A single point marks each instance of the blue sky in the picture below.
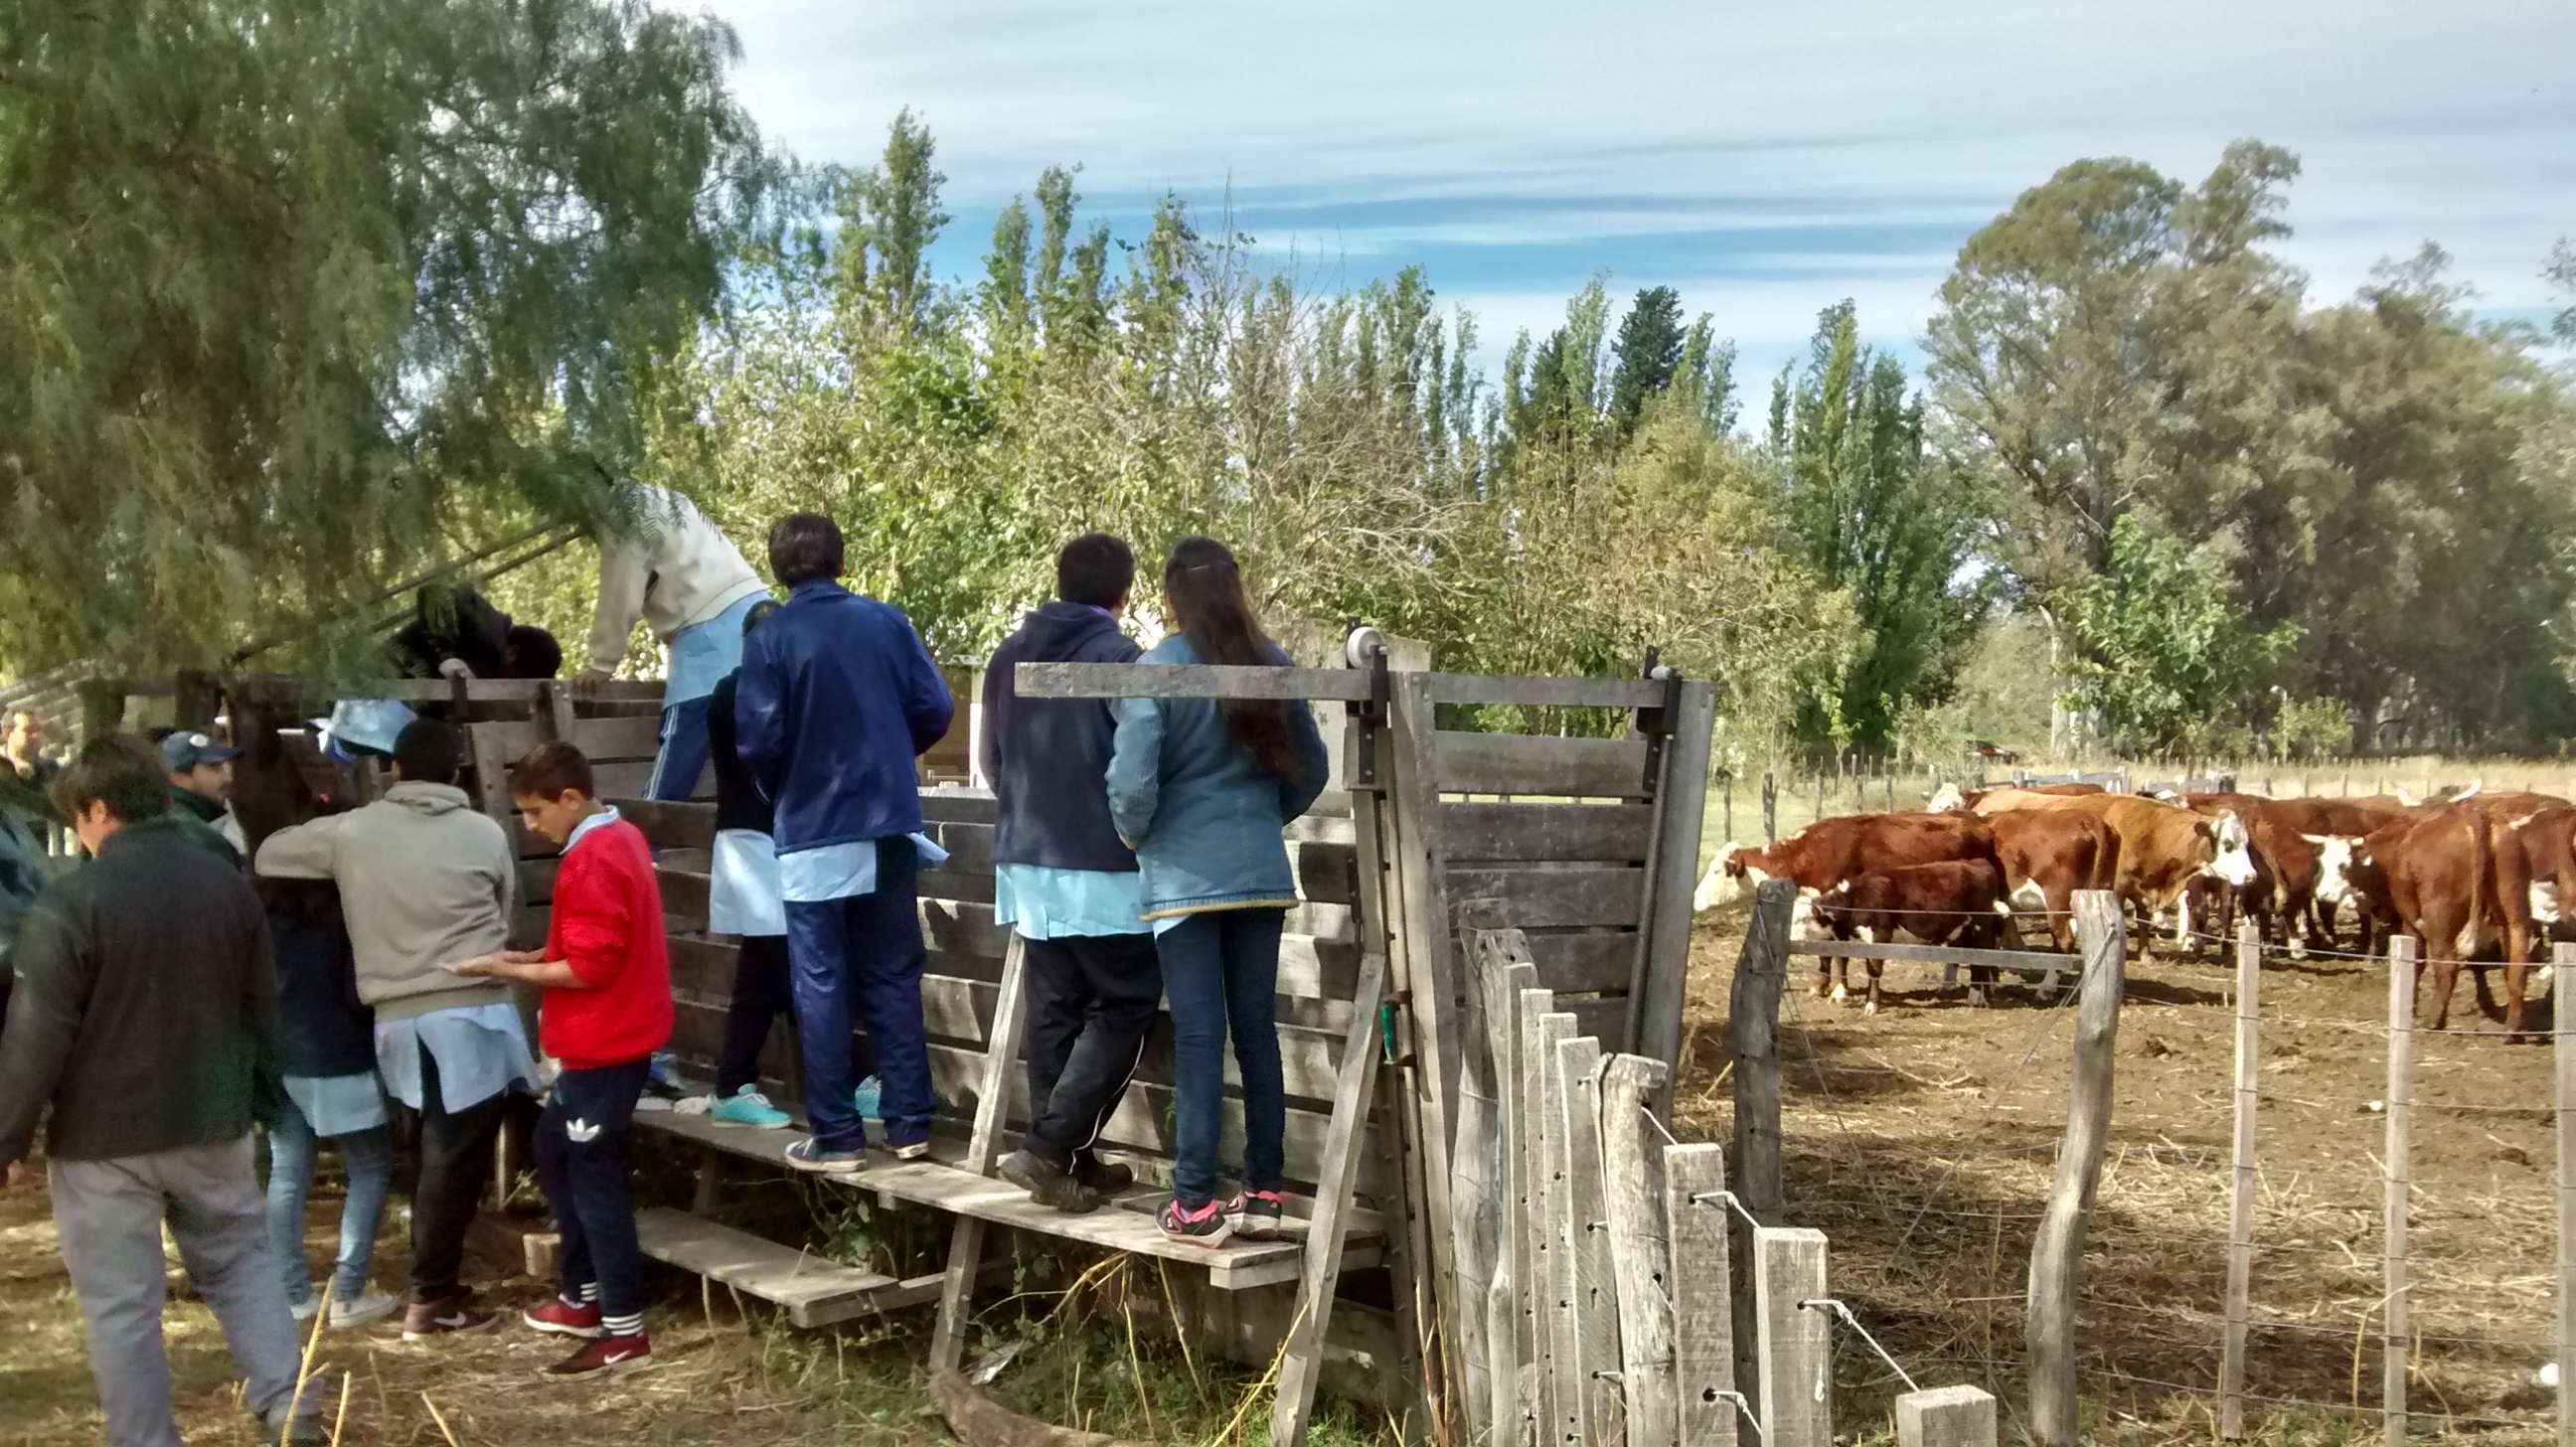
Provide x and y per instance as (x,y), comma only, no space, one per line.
(1764,159)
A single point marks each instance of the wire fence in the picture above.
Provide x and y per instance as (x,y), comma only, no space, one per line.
(1922,1141)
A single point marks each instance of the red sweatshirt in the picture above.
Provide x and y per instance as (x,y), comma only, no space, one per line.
(608,926)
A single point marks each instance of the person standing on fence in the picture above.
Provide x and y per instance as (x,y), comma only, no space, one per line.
(665,562)
(145,1023)
(201,790)
(743,901)
(1201,790)
(1066,883)
(837,699)
(327,1048)
(425,879)
(606,973)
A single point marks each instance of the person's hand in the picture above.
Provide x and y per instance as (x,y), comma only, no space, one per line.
(524,957)
(479,965)
(589,679)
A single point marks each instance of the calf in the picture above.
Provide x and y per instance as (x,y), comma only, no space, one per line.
(1936,903)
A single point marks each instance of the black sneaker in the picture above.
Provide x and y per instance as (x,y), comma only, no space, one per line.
(1108,1178)
(1048,1184)
(1200,1226)
(1255,1215)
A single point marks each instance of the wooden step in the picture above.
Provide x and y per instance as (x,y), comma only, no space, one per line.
(1126,1224)
(814,1291)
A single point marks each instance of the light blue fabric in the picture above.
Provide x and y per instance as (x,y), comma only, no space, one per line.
(338,1104)
(842,871)
(607,815)
(1202,814)
(703,653)
(743,893)
(1047,903)
(369,723)
(481,1051)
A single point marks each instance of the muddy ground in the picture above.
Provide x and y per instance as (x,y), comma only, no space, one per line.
(1922,1140)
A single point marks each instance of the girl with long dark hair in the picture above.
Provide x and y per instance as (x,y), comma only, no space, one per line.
(1201,790)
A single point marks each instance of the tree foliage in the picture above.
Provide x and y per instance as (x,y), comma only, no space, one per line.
(2165,650)
(294,293)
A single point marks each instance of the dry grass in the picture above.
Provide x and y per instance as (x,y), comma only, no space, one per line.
(1922,1141)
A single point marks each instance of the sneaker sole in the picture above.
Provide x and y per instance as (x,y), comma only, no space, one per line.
(1210,1242)
(343,1323)
(613,1369)
(851,1167)
(782,1123)
(578,1333)
(1246,1232)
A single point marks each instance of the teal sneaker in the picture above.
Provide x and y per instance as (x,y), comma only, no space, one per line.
(866,1098)
(748,1106)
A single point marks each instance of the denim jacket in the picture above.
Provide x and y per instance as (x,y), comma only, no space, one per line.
(1201,813)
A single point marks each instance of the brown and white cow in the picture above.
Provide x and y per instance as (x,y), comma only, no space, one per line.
(2049,854)
(1960,899)
(2434,877)
(1830,851)
(2303,865)
(2162,846)
(1950,798)
(2535,885)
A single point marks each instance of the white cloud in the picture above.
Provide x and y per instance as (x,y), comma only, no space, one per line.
(1766,159)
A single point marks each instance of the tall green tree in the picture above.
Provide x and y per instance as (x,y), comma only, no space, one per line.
(1648,353)
(296,295)
(1864,511)
(2165,650)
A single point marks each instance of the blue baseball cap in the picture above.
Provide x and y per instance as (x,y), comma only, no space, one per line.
(185,750)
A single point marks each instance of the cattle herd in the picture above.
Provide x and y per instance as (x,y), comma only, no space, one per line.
(2475,878)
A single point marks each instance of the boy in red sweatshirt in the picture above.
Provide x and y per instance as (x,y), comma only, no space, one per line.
(607,977)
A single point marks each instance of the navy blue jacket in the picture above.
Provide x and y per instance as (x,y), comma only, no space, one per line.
(836,699)
(323,1029)
(1048,758)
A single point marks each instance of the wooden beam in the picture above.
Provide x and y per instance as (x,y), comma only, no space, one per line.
(1655,996)
(1564,1383)
(1545,896)
(966,1237)
(1632,1181)
(1596,1311)
(2057,1255)
(1753,1038)
(2240,1193)
(2396,1334)
(1194,680)
(1301,1361)
(1543,765)
(2564,1026)
(1697,1216)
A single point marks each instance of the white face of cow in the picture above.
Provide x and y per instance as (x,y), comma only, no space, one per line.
(2334,867)
(1725,881)
(1804,922)
(1946,800)
(2234,860)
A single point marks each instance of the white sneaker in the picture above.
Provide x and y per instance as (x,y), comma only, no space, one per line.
(304,1309)
(360,1310)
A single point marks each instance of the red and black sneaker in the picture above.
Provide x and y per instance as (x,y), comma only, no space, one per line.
(607,1356)
(565,1318)
(1203,1225)
(1255,1215)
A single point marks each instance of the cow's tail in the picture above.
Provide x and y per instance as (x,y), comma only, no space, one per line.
(2484,906)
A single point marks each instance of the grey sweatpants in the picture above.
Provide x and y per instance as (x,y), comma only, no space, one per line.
(108,1216)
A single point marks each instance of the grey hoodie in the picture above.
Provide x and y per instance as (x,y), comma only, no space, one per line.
(424,882)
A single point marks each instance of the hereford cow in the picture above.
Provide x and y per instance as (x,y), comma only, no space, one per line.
(1830,851)
(2535,882)
(1961,899)
(2434,877)
(1951,799)
(2301,866)
(2162,846)
(2047,855)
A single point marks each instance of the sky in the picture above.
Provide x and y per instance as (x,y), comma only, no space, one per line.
(1765,160)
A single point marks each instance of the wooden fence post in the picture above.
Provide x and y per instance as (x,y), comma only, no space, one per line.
(1946,1417)
(1820,796)
(2240,1200)
(1561,1387)
(2057,1255)
(1796,1343)
(1506,971)
(1632,1184)
(2395,1329)
(2563,975)
(1726,785)
(1753,1040)
(1696,1215)
(1587,1239)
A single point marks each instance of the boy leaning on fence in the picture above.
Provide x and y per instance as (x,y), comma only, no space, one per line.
(606,973)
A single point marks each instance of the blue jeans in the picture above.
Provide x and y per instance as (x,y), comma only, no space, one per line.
(369,1155)
(701,655)
(1221,972)
(585,1182)
(858,961)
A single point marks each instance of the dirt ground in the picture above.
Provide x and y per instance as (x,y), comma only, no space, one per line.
(1922,1141)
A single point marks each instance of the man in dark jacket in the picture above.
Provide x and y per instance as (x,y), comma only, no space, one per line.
(145,1018)
(1065,883)
(201,791)
(836,700)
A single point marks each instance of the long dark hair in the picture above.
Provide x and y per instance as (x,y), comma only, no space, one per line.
(1205,588)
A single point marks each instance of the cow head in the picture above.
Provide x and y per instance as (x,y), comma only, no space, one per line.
(2232,850)
(1724,882)
(1807,917)
(2336,855)
(1946,800)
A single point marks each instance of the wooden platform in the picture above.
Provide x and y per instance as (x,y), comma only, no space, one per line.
(815,1292)
(1126,1224)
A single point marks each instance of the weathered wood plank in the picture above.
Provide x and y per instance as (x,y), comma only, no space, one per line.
(969,846)
(2240,1185)
(1596,1312)
(670,824)
(1503,970)
(966,1238)
(1946,1417)
(815,1291)
(947,805)
(500,690)
(1301,1360)
(963,886)
(1696,1214)
(1796,1345)
(962,927)
(1663,955)
(1753,1038)
(1640,1247)
(1582,961)
(1541,896)
(1547,833)
(2396,1335)
(1542,765)
(684,894)
(1545,692)
(621,777)
(1196,680)
(2563,1048)
(2057,1255)
(1542,1027)
(601,740)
